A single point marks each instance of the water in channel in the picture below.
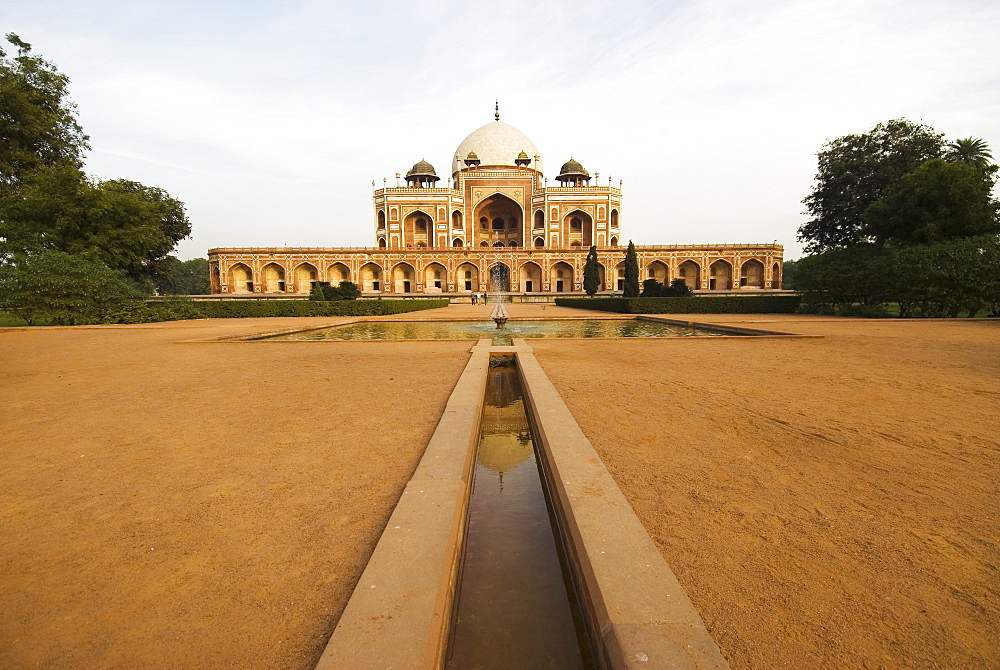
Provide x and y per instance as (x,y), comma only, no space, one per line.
(515,605)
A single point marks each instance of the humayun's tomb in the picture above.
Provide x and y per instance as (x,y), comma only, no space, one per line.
(496,226)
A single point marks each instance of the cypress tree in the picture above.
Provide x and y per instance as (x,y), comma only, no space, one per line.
(631,272)
(591,273)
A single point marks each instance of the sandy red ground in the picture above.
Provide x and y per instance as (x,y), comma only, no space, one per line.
(827,503)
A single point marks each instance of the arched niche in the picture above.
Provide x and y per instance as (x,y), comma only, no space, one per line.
(690,272)
(503,218)
(561,277)
(403,278)
(371,277)
(435,278)
(530,276)
(467,277)
(273,276)
(752,274)
(305,275)
(720,276)
(418,229)
(578,229)
(240,278)
(337,273)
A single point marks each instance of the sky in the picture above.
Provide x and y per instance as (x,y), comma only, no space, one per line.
(270,120)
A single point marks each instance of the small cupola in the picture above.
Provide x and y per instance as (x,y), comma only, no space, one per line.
(421,175)
(573,174)
(472,160)
(522,160)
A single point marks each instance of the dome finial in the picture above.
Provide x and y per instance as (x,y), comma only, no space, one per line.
(497,114)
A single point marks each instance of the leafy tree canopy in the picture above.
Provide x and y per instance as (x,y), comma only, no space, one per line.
(38,126)
(179,277)
(62,288)
(936,202)
(855,171)
(129,226)
(47,202)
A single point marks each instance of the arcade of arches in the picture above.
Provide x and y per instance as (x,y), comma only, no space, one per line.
(528,270)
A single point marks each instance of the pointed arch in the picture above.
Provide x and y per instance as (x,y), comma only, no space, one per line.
(371,277)
(530,277)
(273,278)
(338,272)
(217,280)
(614,242)
(435,278)
(690,272)
(720,276)
(418,228)
(578,229)
(620,277)
(457,242)
(752,274)
(539,241)
(658,270)
(539,220)
(561,277)
(776,276)
(403,277)
(240,278)
(499,278)
(305,274)
(503,217)
(467,277)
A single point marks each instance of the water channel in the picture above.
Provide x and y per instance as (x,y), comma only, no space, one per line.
(516,606)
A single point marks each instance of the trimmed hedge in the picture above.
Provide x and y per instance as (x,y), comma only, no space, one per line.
(171,309)
(240,309)
(712,304)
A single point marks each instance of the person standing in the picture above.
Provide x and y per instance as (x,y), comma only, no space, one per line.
(474,296)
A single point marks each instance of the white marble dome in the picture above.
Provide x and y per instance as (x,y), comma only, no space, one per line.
(496,143)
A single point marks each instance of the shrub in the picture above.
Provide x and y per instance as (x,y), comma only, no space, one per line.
(64,289)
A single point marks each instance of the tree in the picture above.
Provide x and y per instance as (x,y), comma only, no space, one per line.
(184,277)
(38,126)
(938,201)
(62,288)
(974,152)
(631,272)
(591,273)
(856,170)
(130,226)
(47,202)
(788,274)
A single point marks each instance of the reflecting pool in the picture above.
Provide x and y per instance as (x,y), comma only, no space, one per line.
(474,330)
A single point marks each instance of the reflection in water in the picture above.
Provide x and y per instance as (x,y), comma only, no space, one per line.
(513,608)
(472,330)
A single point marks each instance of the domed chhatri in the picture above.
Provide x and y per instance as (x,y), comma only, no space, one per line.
(522,160)
(421,174)
(573,174)
(472,159)
(497,144)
